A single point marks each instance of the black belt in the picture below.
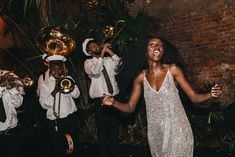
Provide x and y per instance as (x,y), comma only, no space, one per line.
(8,131)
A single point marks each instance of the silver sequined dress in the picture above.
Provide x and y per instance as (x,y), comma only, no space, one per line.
(169,131)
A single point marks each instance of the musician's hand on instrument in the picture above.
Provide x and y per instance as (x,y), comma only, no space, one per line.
(7,80)
(9,75)
(108,100)
(108,49)
(56,90)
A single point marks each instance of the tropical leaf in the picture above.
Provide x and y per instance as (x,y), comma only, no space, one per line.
(26,18)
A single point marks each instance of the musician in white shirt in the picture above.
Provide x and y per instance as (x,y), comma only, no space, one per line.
(106,118)
(61,109)
(11,95)
(43,77)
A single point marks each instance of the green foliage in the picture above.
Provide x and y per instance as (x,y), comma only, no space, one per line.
(25,19)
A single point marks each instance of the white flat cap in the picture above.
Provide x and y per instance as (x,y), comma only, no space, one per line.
(84,44)
(56,58)
(45,57)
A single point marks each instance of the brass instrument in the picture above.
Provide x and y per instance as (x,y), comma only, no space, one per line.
(65,84)
(110,33)
(57,41)
(27,81)
(12,81)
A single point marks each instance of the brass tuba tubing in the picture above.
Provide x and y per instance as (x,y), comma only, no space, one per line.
(55,40)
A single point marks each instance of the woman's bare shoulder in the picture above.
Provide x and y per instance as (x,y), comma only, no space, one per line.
(141,76)
(175,70)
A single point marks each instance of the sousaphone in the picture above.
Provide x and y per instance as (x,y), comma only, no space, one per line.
(56,40)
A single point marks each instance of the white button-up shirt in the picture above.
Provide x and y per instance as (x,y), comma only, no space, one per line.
(94,67)
(42,78)
(11,99)
(67,104)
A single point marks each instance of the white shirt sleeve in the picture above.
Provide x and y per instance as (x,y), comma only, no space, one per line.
(116,59)
(94,67)
(16,97)
(2,89)
(75,93)
(45,88)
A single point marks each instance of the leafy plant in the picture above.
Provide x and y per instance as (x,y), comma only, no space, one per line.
(25,19)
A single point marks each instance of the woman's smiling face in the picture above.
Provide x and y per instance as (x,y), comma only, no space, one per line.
(155,50)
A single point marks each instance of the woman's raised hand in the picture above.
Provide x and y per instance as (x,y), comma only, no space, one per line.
(216,91)
(108,100)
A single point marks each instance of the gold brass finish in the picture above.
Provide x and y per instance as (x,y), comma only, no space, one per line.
(66,84)
(55,41)
(27,81)
(108,31)
(12,81)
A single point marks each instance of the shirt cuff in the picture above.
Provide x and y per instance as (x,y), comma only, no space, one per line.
(115,57)
(2,89)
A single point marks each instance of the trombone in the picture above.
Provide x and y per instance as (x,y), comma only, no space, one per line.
(111,32)
(65,84)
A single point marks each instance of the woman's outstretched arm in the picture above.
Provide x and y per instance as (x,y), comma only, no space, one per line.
(135,95)
(194,96)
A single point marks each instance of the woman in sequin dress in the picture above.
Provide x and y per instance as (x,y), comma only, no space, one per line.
(169,131)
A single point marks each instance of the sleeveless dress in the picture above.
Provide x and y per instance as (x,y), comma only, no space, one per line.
(169,131)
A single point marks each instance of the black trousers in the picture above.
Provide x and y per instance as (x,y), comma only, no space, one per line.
(108,129)
(10,143)
(56,142)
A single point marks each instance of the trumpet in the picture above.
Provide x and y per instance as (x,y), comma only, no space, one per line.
(27,81)
(10,81)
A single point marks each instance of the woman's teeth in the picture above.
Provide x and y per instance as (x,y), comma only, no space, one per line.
(156,53)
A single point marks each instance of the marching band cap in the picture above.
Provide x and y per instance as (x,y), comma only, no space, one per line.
(84,46)
(53,58)
(45,56)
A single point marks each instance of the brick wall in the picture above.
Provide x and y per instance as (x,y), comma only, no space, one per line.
(204,33)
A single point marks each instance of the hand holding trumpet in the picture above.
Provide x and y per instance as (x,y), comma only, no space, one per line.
(10,80)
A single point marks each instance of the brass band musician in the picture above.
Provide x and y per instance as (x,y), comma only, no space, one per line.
(11,94)
(61,109)
(101,70)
